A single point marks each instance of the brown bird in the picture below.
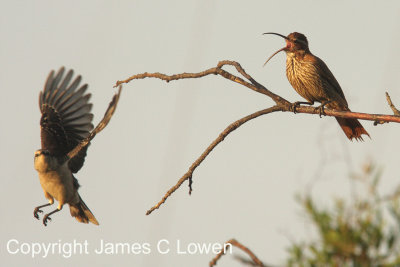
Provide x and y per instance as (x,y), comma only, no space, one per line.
(312,79)
(66,125)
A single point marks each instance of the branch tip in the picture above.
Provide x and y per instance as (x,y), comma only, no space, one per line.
(396,112)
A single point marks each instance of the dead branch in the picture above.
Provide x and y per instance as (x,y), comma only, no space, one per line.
(395,110)
(255,86)
(220,138)
(281,104)
(255,261)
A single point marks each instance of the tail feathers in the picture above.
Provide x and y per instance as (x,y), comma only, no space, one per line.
(352,128)
(82,213)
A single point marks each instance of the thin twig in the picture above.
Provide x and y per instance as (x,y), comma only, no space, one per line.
(395,110)
(188,175)
(254,85)
(237,244)
(276,98)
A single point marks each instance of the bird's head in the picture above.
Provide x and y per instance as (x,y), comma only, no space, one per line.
(42,152)
(44,161)
(295,43)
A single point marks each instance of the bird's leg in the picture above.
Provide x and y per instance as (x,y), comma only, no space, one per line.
(321,108)
(298,103)
(38,210)
(47,218)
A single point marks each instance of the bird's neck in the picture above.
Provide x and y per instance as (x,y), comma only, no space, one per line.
(298,55)
(46,163)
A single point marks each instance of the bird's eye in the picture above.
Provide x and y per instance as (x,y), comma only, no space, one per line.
(302,42)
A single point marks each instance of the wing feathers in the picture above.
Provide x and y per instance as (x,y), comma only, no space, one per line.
(75,104)
(82,146)
(58,90)
(66,123)
(66,118)
(81,117)
(69,98)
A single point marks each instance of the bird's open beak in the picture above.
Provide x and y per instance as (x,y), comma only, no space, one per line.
(282,49)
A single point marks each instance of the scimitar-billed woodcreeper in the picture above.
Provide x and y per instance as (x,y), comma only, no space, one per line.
(312,79)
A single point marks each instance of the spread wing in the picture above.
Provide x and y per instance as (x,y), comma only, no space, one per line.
(82,146)
(66,119)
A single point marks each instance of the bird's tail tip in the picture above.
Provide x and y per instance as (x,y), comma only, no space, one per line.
(352,128)
(82,213)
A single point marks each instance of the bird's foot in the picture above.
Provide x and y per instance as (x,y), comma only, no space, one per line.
(293,106)
(297,104)
(45,219)
(36,211)
(321,108)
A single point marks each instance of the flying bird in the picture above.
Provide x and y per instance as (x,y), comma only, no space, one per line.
(66,131)
(312,79)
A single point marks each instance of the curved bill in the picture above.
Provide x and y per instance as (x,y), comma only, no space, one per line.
(282,49)
(283,36)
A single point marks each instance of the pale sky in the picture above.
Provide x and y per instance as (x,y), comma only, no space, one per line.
(246,188)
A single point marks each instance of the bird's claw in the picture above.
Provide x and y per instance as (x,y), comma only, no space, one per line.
(45,219)
(294,106)
(36,211)
(297,104)
(321,110)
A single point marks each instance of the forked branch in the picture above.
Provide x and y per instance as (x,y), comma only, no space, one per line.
(281,104)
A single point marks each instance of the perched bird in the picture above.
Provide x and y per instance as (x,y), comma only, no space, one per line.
(312,79)
(66,125)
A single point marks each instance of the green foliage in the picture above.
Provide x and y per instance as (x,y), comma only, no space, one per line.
(357,233)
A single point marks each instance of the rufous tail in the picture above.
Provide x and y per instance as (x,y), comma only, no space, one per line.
(352,128)
(82,213)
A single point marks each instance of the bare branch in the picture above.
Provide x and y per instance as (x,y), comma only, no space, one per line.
(395,110)
(188,175)
(233,242)
(281,105)
(254,85)
(261,88)
(348,114)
